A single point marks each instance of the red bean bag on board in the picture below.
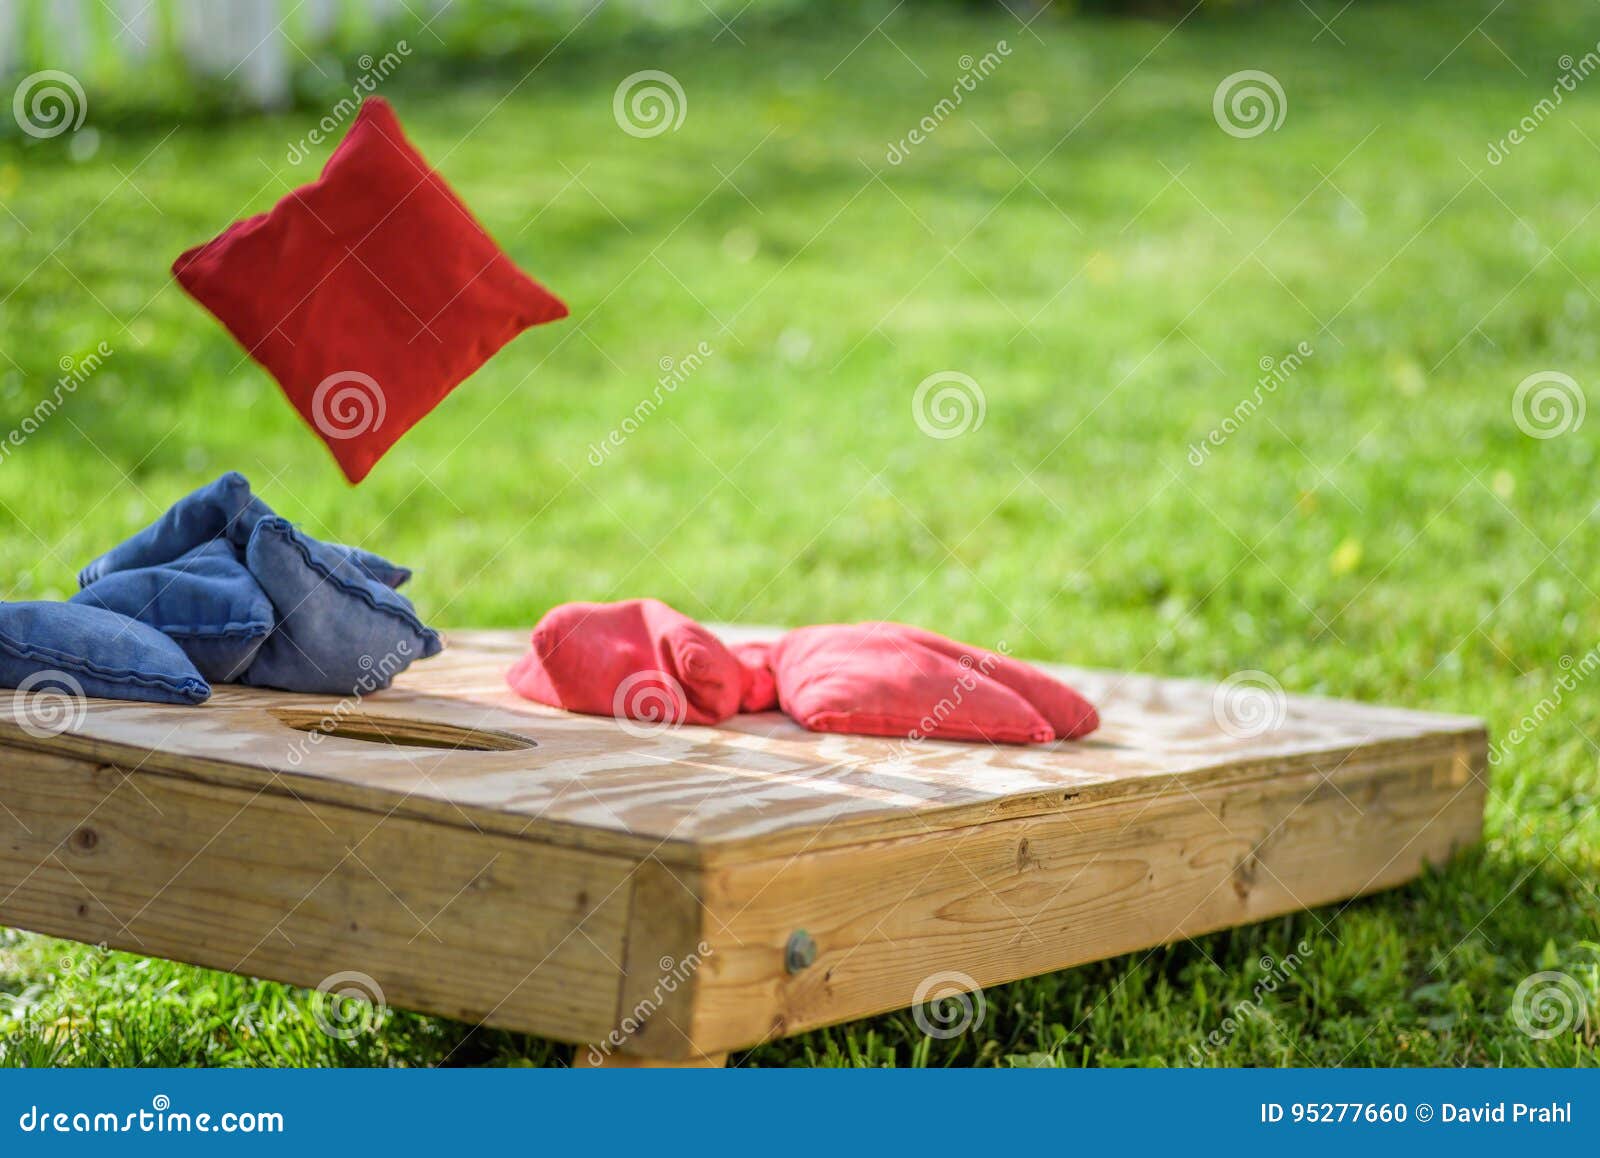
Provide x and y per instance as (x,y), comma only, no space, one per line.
(642,660)
(638,659)
(889,679)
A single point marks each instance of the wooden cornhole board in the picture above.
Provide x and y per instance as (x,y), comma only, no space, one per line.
(672,896)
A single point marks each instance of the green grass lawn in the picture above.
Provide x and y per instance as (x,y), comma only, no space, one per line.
(1111,269)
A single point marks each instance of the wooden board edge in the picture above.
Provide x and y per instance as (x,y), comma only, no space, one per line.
(664,953)
(363,798)
(1065,800)
(691,851)
(129,868)
(751,906)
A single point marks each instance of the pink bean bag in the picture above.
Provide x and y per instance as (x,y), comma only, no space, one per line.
(888,679)
(638,659)
(642,660)
(760,688)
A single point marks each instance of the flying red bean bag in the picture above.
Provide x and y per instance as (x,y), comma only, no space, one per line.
(369,294)
(638,659)
(888,679)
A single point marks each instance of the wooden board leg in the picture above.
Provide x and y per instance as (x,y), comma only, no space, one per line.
(593,1059)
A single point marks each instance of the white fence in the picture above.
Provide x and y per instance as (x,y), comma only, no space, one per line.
(254,45)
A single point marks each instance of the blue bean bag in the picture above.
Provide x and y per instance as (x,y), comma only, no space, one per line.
(206,601)
(224,509)
(251,599)
(340,631)
(77,649)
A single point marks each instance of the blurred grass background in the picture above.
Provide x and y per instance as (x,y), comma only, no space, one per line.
(1110,267)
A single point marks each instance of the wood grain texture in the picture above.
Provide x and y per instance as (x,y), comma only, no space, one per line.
(486,858)
(456,922)
(1014,898)
(666,952)
(758,785)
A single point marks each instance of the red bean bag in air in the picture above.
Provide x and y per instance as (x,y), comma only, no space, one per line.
(369,294)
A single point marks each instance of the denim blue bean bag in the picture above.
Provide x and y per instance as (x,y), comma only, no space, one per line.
(340,631)
(375,566)
(205,600)
(224,509)
(253,600)
(79,648)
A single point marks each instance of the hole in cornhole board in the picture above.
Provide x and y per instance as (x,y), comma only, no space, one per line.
(399,733)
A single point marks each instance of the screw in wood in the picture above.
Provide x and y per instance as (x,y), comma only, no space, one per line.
(800,952)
